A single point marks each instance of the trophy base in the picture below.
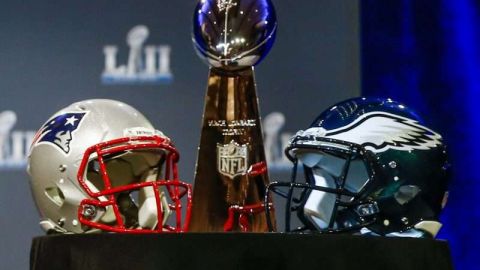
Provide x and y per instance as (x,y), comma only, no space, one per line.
(236,251)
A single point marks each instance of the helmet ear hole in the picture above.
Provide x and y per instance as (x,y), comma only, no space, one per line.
(55,195)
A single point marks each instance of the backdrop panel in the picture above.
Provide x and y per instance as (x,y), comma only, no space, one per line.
(425,54)
(54,53)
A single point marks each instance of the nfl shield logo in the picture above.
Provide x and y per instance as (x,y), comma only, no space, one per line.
(232,159)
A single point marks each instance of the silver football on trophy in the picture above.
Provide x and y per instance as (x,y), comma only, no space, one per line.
(234,34)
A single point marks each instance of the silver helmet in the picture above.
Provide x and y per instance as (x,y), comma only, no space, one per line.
(99,165)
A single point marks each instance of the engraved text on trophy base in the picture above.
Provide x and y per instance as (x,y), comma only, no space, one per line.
(233,127)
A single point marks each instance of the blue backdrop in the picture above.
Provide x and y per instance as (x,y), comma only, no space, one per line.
(426,55)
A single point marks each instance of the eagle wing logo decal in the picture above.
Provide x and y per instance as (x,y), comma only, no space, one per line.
(381,131)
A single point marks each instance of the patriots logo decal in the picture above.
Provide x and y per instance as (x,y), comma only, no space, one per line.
(380,131)
(59,130)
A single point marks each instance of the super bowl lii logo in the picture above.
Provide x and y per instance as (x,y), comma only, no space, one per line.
(14,144)
(275,141)
(146,64)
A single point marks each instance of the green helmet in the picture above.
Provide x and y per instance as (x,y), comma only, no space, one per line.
(371,166)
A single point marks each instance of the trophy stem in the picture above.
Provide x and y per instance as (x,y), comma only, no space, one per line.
(231,168)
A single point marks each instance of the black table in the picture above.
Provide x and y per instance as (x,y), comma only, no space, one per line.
(236,251)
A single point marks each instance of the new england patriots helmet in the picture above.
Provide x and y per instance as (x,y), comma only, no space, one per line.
(371,166)
(99,165)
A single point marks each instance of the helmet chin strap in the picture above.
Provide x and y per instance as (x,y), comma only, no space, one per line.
(51,227)
(430,226)
(147,213)
(423,229)
(412,233)
(320,205)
